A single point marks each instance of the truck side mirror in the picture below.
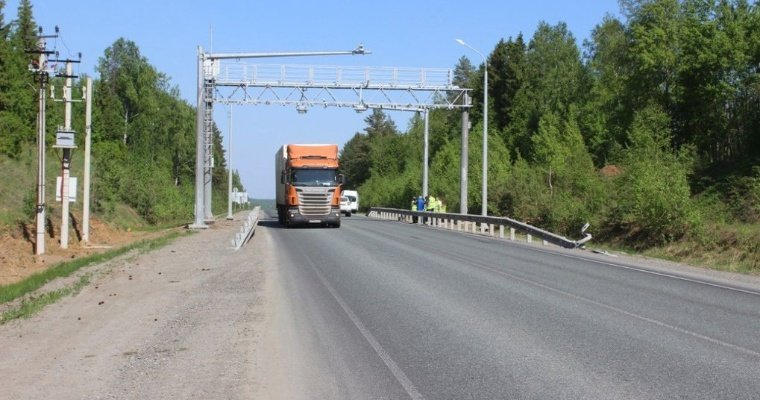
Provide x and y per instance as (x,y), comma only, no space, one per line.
(341,179)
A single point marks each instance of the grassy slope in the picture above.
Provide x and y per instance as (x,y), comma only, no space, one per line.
(18,193)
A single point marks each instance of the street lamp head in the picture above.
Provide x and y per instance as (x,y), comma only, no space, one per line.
(460,41)
(359,50)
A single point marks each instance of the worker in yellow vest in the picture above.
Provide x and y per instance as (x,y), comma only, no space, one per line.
(432,204)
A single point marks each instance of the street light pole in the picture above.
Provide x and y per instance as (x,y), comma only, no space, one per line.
(484,208)
(229,162)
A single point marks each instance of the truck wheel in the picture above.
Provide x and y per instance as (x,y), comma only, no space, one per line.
(348,214)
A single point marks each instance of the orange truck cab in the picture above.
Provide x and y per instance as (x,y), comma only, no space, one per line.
(308,184)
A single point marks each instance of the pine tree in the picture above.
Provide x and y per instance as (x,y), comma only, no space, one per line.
(505,78)
(17,101)
(463,72)
(3,32)
(379,124)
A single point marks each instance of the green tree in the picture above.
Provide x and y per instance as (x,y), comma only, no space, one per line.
(148,136)
(17,100)
(355,160)
(505,76)
(379,124)
(463,71)
(25,34)
(655,44)
(574,192)
(607,112)
(552,83)
(653,195)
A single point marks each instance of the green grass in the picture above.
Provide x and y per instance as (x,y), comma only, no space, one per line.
(32,305)
(18,184)
(724,247)
(29,306)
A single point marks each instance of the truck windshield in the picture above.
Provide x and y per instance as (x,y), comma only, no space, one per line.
(313,177)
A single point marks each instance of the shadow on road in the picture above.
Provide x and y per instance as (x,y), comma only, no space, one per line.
(272,223)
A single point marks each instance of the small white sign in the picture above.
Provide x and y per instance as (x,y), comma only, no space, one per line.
(240,197)
(72,189)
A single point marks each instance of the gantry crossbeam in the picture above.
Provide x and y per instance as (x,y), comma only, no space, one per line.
(225,78)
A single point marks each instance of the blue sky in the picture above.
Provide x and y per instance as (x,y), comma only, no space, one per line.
(399,33)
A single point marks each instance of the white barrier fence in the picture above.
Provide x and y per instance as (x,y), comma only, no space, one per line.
(249,225)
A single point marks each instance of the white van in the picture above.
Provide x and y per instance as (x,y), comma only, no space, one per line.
(353,199)
(345,206)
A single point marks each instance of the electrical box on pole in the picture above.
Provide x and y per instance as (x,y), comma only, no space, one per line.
(65,139)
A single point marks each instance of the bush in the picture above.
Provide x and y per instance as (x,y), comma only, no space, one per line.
(744,197)
(653,195)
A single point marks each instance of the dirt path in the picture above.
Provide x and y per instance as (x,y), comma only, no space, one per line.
(191,320)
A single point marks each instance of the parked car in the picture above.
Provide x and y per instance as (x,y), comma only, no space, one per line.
(353,199)
(345,206)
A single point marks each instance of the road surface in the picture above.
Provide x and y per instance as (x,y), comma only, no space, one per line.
(385,310)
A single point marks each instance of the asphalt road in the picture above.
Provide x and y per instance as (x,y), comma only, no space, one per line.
(386,310)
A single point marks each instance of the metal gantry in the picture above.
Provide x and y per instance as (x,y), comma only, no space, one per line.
(225,78)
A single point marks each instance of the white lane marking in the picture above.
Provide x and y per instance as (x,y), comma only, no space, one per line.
(628,267)
(663,274)
(624,312)
(399,374)
(642,270)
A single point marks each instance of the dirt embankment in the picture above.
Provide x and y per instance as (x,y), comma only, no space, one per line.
(17,258)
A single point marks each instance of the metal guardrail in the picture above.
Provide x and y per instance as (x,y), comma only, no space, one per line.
(249,225)
(454,221)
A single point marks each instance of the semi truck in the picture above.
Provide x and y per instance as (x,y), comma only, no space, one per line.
(308,184)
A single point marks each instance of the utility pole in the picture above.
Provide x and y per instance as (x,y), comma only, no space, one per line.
(66,161)
(200,149)
(87,144)
(464,157)
(65,141)
(42,76)
(425,156)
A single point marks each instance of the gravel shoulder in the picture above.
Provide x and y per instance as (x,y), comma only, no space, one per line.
(190,320)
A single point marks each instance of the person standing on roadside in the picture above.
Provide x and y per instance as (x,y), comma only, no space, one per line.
(414,208)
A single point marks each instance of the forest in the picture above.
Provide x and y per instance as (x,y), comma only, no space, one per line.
(143,131)
(649,130)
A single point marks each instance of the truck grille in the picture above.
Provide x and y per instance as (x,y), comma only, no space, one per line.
(314,204)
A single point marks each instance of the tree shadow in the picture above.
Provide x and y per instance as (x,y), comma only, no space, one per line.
(24,228)
(75,225)
(49,227)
